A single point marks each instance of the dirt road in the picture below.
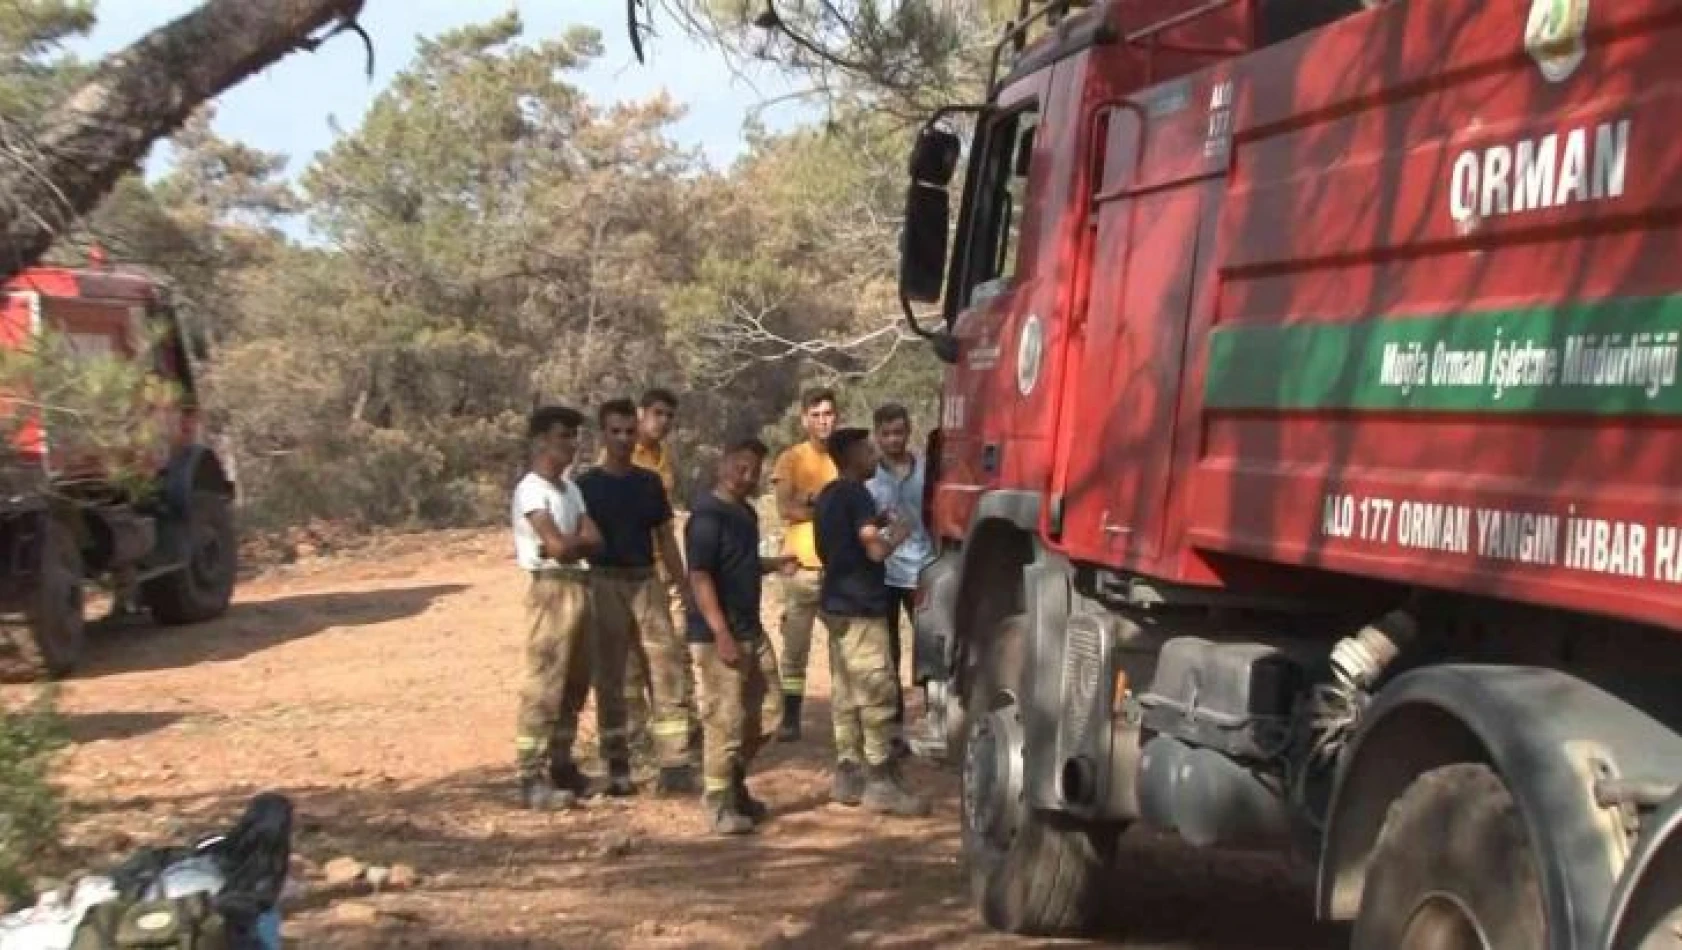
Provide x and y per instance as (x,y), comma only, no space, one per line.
(378,692)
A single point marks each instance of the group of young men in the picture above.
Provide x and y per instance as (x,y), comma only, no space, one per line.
(606,570)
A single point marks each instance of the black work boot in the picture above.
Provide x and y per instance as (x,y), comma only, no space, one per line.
(745,802)
(538,793)
(722,816)
(619,784)
(564,776)
(676,780)
(847,788)
(887,793)
(789,731)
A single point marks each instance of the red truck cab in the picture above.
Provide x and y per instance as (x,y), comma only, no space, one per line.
(156,523)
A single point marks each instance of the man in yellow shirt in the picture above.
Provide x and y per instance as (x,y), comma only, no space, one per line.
(656,412)
(655,415)
(800,474)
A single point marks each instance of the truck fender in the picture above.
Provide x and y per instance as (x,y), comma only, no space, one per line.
(933,643)
(192,468)
(1018,508)
(1056,711)
(1650,891)
(953,596)
(1549,735)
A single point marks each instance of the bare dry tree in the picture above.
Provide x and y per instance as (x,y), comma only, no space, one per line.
(745,336)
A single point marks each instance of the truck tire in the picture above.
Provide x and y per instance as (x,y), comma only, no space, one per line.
(202,588)
(1031,872)
(51,640)
(1453,869)
(1050,881)
(1652,920)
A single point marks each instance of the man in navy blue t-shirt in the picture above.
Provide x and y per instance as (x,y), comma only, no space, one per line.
(854,539)
(737,663)
(629,604)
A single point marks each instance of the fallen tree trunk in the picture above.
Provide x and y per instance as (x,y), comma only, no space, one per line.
(59,170)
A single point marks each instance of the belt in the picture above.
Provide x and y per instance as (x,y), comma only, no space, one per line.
(559,574)
(623,573)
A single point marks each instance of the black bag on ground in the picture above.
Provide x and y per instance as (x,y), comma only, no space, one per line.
(251,861)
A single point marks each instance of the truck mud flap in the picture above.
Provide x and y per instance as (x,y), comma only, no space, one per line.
(933,620)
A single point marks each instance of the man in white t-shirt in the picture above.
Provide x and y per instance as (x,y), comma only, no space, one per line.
(552,536)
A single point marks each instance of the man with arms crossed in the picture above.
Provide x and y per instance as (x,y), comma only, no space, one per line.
(854,539)
(800,473)
(631,611)
(552,536)
(738,666)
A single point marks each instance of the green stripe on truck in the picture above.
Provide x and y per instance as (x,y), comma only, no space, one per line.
(1613,357)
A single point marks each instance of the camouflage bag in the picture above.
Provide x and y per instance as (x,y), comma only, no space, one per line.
(190,922)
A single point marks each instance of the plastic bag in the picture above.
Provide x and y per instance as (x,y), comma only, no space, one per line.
(52,922)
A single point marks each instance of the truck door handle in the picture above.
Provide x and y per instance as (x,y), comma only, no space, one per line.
(990,457)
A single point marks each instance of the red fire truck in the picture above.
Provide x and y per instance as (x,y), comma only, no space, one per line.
(1307,475)
(164,540)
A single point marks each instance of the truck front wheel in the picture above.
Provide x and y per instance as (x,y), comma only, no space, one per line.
(1453,869)
(53,640)
(202,588)
(1031,872)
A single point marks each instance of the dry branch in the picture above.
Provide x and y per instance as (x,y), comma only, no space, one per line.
(745,338)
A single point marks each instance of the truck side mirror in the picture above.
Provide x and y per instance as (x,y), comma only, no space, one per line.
(922,245)
(934,156)
(928,215)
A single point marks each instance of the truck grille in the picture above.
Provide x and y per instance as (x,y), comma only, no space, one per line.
(1083,653)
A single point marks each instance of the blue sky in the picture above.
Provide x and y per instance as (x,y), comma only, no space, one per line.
(286,108)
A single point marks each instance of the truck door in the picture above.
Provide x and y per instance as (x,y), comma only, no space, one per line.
(997,287)
(1110,486)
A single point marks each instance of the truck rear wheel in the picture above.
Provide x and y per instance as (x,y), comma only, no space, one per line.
(203,587)
(51,640)
(1453,870)
(1031,872)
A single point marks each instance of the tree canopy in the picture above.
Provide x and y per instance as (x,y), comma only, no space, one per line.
(488,237)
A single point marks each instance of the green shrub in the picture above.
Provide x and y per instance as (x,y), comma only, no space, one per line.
(29,805)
